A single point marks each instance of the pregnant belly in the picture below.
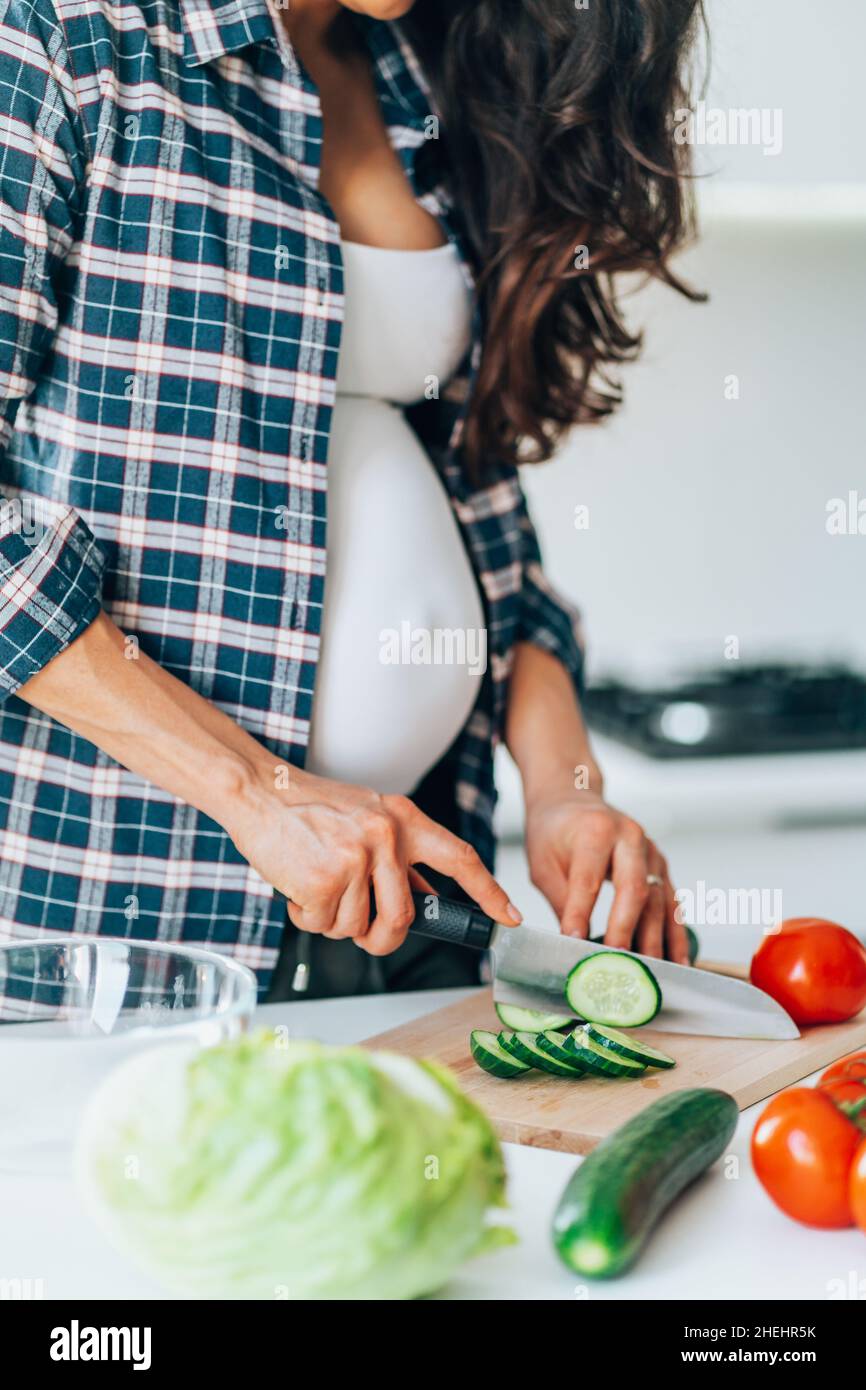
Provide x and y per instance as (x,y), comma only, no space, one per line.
(403,643)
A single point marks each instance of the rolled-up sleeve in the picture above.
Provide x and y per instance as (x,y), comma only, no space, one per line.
(548,620)
(50,564)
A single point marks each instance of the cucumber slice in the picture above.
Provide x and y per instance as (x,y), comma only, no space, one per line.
(555,1045)
(625,1046)
(524,1047)
(492,1058)
(600,1060)
(613,987)
(530,1020)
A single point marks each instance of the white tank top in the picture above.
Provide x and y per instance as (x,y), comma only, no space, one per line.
(403,646)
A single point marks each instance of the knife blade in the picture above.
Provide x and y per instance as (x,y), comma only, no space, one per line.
(531,967)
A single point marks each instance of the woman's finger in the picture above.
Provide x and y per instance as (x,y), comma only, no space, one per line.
(418,881)
(434,845)
(676,936)
(551,880)
(650,935)
(395,910)
(353,913)
(589,868)
(316,915)
(630,866)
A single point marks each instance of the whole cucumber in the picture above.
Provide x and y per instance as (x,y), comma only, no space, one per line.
(620,1191)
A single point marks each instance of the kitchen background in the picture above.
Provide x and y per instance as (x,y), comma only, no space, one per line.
(714,523)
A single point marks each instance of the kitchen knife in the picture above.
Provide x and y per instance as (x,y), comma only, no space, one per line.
(530,969)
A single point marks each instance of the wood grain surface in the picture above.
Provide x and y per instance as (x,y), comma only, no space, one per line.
(554,1113)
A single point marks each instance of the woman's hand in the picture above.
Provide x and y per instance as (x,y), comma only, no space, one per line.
(574,841)
(323,844)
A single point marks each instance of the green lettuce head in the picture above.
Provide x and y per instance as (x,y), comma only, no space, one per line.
(268,1169)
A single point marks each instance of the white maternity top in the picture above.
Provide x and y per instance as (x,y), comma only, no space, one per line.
(403,641)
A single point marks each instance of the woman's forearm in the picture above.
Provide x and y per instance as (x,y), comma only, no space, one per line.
(544,730)
(321,843)
(119,699)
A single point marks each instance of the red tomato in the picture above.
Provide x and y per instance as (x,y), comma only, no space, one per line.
(802,1150)
(846,1091)
(816,970)
(850,1068)
(857,1187)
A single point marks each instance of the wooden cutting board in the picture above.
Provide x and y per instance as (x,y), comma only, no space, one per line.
(551,1113)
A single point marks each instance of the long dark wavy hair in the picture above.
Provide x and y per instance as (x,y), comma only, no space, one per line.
(559,134)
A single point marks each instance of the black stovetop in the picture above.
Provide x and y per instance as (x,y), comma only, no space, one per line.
(735,710)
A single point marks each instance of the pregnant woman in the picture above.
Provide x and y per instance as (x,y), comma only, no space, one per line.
(287,294)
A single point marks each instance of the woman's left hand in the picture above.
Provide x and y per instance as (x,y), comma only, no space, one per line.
(574,841)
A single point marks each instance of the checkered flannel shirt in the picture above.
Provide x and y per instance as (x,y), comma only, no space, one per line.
(171,298)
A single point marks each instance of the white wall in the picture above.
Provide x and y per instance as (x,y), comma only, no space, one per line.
(805,57)
(708,515)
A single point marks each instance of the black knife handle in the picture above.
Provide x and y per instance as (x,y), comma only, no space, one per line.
(445,919)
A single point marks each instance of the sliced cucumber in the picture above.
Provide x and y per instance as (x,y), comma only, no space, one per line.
(491,1057)
(597,1059)
(555,1045)
(524,1046)
(613,987)
(623,1045)
(530,1020)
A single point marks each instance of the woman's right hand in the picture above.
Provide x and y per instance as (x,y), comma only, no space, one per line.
(323,844)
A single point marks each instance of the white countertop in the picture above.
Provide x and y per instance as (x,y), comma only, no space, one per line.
(723,1239)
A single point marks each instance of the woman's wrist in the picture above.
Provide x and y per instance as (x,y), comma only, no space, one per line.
(258,780)
(249,781)
(545,732)
(550,777)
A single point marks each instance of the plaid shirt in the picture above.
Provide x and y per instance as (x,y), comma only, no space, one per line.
(171,297)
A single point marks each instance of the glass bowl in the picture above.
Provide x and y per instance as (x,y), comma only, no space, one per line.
(72,1007)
